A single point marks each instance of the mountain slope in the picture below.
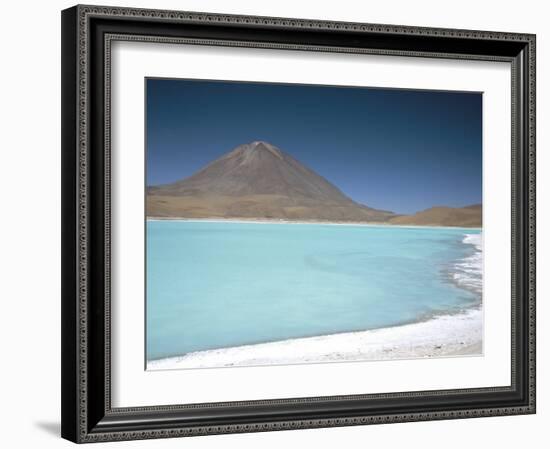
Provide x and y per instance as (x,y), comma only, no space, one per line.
(469,216)
(257,180)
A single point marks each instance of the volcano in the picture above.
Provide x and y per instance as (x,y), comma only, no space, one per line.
(257,180)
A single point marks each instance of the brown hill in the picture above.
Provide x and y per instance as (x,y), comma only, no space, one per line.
(257,180)
(469,216)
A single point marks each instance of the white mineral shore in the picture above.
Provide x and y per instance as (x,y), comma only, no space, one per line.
(442,336)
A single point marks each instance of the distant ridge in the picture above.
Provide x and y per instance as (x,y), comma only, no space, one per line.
(257,180)
(468,216)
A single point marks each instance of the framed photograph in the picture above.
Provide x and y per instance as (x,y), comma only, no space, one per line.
(274,223)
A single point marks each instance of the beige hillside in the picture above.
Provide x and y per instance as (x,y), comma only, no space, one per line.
(469,216)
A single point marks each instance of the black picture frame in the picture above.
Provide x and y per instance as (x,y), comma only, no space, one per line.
(87,415)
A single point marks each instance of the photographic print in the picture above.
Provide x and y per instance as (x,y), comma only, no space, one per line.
(291,223)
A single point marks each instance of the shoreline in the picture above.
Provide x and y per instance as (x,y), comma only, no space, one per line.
(306,222)
(441,336)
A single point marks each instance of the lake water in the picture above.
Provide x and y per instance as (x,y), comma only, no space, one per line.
(224,284)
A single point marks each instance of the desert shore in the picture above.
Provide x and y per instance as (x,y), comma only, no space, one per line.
(441,336)
(305,222)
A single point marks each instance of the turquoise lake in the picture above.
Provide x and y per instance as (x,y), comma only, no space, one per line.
(222,284)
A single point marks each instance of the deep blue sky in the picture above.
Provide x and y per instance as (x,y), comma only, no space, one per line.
(393,149)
